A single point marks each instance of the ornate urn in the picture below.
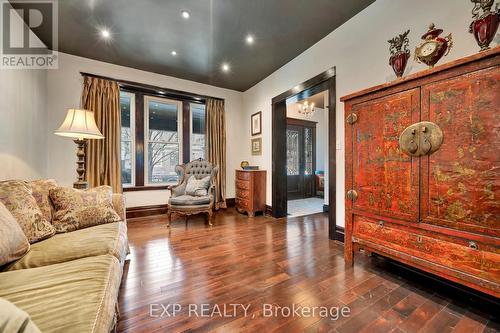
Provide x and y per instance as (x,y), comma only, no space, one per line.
(485,26)
(399,53)
(433,48)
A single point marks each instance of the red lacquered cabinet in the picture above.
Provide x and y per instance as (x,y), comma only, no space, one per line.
(439,211)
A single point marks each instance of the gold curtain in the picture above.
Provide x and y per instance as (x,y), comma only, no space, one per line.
(216,146)
(103,156)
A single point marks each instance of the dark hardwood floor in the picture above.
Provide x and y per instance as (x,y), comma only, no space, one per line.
(278,262)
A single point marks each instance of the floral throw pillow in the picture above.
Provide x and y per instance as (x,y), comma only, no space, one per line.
(77,209)
(17,197)
(41,190)
(13,243)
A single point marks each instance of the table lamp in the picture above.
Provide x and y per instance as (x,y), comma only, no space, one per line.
(80,125)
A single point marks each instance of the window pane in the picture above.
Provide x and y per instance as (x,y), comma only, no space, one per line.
(292,153)
(126,138)
(163,142)
(308,147)
(197,131)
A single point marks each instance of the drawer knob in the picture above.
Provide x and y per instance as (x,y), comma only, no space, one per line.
(473,245)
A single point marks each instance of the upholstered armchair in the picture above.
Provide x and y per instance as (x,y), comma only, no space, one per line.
(181,202)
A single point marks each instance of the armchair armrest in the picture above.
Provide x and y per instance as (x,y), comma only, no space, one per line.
(118,200)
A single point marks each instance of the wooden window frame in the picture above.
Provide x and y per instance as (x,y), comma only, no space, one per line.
(133,139)
(140,183)
(180,131)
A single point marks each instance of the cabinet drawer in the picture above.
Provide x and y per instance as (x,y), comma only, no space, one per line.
(242,184)
(451,252)
(242,175)
(242,204)
(242,194)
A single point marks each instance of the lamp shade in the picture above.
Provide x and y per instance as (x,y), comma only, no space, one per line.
(79,124)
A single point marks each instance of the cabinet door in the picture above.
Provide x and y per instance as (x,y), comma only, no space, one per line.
(461,181)
(385,179)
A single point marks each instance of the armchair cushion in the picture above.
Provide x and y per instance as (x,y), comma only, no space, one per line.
(197,187)
(188,200)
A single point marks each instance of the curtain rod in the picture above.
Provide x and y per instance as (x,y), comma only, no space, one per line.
(157,90)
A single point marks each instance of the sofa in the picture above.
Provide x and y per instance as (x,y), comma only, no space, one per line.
(70,281)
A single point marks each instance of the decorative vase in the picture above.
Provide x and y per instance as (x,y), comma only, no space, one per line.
(485,26)
(399,53)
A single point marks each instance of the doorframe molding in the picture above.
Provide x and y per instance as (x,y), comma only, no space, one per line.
(321,82)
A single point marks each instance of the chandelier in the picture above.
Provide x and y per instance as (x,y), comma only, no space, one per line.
(306,109)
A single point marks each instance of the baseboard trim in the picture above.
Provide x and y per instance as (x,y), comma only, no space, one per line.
(230,202)
(339,234)
(143,211)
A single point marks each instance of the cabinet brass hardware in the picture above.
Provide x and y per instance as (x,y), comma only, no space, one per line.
(473,245)
(419,139)
(352,118)
(352,195)
(381,224)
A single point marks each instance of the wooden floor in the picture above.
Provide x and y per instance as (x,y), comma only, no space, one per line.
(278,262)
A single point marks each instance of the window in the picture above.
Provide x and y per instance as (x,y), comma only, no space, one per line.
(158,132)
(127,103)
(162,139)
(197,131)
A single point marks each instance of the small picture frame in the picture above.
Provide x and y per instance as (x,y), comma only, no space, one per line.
(257,146)
(256,120)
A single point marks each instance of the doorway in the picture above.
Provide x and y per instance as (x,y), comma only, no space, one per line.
(300,158)
(319,83)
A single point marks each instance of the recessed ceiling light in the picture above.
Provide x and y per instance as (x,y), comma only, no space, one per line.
(185,14)
(249,39)
(105,33)
(174,53)
(225,67)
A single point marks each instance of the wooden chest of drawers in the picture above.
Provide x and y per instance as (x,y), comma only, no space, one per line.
(251,191)
(438,212)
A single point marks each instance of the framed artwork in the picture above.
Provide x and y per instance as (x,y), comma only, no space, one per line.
(257,146)
(256,123)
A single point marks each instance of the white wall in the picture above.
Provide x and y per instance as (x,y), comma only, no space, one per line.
(64,91)
(23,122)
(360,52)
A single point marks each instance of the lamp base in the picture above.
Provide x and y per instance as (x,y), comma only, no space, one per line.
(79,185)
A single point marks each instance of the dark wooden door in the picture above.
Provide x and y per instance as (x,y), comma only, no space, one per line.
(385,179)
(461,181)
(301,156)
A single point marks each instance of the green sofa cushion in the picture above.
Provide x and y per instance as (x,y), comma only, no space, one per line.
(94,241)
(75,296)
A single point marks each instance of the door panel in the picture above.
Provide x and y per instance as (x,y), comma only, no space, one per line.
(301,157)
(461,187)
(385,179)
